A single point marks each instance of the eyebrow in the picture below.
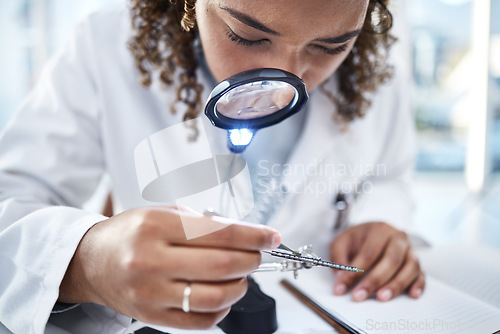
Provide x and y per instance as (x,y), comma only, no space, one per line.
(245,19)
(339,39)
(251,22)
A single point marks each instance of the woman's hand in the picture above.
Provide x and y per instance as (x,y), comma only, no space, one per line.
(386,256)
(139,263)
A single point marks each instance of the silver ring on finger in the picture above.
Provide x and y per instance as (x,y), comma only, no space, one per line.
(185,298)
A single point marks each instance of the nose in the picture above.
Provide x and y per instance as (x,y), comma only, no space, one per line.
(291,62)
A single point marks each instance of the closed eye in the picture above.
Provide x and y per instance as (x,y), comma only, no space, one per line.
(332,51)
(243,41)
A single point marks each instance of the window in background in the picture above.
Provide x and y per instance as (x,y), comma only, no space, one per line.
(449,42)
(495,83)
(31,31)
(440,33)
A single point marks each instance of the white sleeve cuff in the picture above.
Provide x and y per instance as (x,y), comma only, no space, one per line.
(35,252)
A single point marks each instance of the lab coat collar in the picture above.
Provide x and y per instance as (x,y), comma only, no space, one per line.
(318,136)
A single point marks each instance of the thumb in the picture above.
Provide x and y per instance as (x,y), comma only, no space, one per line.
(340,249)
(340,253)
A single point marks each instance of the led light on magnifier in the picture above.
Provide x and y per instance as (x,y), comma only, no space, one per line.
(240,138)
(252,100)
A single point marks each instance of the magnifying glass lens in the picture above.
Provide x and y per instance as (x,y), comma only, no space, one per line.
(252,100)
(256,99)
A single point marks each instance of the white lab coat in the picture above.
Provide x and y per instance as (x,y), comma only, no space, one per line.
(84,119)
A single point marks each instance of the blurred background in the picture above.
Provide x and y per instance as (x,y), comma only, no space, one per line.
(453,52)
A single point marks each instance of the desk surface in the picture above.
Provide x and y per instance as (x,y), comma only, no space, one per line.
(477,282)
(293,316)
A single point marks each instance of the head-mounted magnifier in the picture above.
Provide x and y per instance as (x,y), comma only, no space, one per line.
(252,100)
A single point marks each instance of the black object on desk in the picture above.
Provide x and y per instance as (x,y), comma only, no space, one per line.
(254,313)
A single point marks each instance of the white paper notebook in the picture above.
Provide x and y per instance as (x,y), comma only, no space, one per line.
(462,295)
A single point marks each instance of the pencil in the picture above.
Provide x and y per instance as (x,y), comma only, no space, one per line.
(335,322)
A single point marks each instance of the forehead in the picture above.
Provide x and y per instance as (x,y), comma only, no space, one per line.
(307,16)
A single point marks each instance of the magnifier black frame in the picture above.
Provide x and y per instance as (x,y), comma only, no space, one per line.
(255,75)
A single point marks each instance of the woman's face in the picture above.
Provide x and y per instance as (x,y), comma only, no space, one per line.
(308,38)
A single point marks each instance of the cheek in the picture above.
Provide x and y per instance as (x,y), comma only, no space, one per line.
(225,60)
(320,72)
(224,57)
(322,69)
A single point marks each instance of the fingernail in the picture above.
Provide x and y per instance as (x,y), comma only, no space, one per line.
(276,240)
(360,295)
(385,295)
(417,292)
(339,289)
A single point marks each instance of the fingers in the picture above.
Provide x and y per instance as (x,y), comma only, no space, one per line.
(172,225)
(139,261)
(389,265)
(209,264)
(233,235)
(208,304)
(177,318)
(340,249)
(418,286)
(192,320)
(340,253)
(385,253)
(369,253)
(206,297)
(410,275)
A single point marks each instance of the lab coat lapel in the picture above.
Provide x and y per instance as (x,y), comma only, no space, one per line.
(316,141)
(302,208)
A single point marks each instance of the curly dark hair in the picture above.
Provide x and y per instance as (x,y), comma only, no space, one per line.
(161,42)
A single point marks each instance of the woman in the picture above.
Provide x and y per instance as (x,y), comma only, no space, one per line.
(90,113)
